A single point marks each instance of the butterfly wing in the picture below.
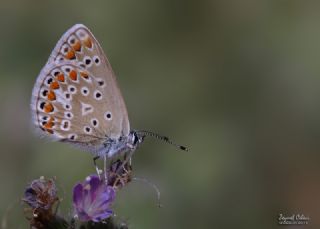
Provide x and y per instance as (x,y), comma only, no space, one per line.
(76,97)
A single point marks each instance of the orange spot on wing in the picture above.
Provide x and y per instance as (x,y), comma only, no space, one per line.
(48,107)
(84,75)
(50,131)
(87,42)
(49,124)
(73,75)
(60,77)
(70,55)
(77,46)
(54,85)
(51,96)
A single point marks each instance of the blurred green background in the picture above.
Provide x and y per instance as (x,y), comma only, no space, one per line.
(236,81)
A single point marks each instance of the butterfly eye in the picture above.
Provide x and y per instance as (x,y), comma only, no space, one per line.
(135,139)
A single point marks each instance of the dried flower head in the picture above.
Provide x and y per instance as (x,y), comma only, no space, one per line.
(119,174)
(41,194)
(92,199)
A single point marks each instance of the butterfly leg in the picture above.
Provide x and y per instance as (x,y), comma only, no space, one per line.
(126,159)
(125,162)
(96,166)
(105,168)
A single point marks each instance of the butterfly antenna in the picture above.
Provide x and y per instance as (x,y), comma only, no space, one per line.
(144,133)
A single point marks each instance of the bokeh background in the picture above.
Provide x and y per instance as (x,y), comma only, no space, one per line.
(236,81)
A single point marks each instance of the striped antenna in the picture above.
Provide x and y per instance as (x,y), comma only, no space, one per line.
(144,133)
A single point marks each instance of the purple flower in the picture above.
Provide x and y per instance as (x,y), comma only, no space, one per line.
(92,199)
(41,194)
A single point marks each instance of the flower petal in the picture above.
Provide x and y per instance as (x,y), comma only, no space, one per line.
(108,195)
(94,185)
(101,216)
(92,199)
(83,216)
(77,195)
(105,198)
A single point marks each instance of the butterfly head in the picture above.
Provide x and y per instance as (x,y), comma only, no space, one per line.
(135,139)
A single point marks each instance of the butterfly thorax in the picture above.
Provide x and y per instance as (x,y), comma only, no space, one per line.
(122,145)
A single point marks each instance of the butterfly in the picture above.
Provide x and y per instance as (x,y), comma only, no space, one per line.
(76,99)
